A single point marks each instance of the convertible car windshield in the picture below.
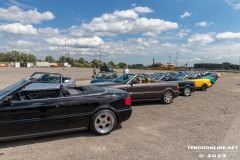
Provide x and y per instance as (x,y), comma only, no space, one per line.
(106,75)
(156,76)
(11,88)
(45,77)
(124,78)
(178,77)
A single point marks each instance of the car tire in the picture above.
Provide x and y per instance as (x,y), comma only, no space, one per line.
(103,122)
(204,87)
(167,97)
(187,91)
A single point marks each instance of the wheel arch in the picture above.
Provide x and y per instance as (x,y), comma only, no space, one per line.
(188,86)
(168,89)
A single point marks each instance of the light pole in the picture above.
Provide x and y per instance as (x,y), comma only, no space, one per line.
(100,56)
(239,65)
(65,50)
(176,61)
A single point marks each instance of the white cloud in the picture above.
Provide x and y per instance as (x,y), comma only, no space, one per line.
(201,38)
(17,28)
(123,22)
(168,45)
(133,4)
(234,3)
(143,9)
(202,24)
(185,14)
(117,16)
(194,59)
(228,35)
(23,43)
(48,31)
(16,14)
(143,42)
(76,42)
(184,32)
(20,5)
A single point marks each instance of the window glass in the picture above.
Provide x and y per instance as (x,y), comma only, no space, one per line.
(46,78)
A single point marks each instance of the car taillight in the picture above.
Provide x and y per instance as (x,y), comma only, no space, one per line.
(194,84)
(128,101)
(177,86)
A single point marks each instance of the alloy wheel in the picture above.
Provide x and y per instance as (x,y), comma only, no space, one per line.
(168,96)
(104,122)
(187,91)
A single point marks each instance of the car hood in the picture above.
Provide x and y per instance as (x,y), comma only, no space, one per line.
(101,80)
(181,81)
(115,90)
(106,84)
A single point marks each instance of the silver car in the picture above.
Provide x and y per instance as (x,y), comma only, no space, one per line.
(52,79)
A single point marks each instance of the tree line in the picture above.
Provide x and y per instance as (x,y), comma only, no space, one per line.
(16,56)
(224,65)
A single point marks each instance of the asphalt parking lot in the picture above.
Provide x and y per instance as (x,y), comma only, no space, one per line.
(154,131)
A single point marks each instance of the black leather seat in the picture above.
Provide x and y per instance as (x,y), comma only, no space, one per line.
(64,90)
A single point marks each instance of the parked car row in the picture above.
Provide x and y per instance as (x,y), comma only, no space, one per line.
(48,103)
(152,86)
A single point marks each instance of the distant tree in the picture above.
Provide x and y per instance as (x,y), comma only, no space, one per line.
(97,63)
(62,59)
(2,57)
(32,58)
(81,60)
(111,63)
(121,65)
(71,61)
(49,59)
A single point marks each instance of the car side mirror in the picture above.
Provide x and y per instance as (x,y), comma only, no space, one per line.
(131,83)
(31,78)
(8,100)
(66,81)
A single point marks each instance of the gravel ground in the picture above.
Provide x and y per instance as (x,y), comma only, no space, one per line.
(155,131)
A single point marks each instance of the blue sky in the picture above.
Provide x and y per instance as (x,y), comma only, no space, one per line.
(130,31)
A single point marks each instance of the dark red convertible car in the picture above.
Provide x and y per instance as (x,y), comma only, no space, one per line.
(140,88)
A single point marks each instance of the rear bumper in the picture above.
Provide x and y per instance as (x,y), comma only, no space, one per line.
(193,89)
(175,94)
(124,114)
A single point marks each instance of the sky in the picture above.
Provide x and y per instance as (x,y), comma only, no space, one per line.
(129,31)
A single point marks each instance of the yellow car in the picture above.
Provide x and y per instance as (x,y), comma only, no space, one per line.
(202,84)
